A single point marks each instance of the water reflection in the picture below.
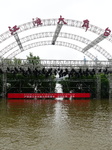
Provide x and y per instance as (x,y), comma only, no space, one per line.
(55,125)
(58,89)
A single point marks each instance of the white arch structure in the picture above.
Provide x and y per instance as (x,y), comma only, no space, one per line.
(59,43)
(50,34)
(53,22)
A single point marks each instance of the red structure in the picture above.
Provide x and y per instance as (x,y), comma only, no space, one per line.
(14,29)
(61,20)
(49,95)
(107,32)
(37,21)
(86,24)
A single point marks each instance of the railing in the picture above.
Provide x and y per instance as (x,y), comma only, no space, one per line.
(55,63)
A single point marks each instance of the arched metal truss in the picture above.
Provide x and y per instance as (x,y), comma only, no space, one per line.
(59,43)
(61,35)
(53,22)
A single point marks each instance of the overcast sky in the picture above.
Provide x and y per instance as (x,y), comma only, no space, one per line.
(17,12)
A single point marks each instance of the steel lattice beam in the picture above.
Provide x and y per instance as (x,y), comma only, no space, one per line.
(50,34)
(56,33)
(4,63)
(18,41)
(93,43)
(42,43)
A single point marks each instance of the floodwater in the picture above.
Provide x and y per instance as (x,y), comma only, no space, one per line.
(55,124)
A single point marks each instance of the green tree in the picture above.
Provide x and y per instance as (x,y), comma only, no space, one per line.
(31,59)
(29,78)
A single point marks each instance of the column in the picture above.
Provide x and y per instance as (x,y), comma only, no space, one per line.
(98,92)
(4,85)
(110,86)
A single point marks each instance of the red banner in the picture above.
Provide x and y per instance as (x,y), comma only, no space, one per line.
(49,95)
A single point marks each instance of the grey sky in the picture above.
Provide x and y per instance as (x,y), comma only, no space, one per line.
(16,12)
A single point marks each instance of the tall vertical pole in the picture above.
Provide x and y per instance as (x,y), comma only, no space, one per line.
(98,94)
(4,82)
(110,86)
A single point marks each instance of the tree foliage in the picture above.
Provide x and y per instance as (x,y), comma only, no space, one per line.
(30,80)
(35,79)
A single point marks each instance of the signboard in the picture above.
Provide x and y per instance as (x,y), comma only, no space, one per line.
(49,95)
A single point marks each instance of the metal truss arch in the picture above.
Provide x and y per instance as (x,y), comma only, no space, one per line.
(53,22)
(43,43)
(61,35)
